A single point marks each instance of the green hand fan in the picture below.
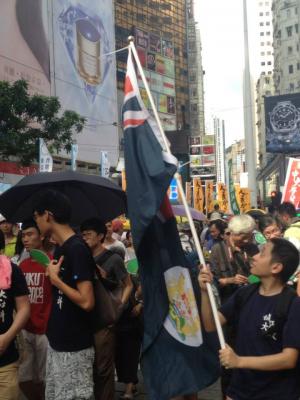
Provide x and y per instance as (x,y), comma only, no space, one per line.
(253,279)
(40,257)
(260,239)
(132,266)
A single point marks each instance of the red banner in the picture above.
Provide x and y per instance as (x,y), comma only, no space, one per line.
(291,191)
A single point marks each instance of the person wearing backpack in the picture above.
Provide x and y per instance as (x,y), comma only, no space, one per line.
(114,275)
(267,324)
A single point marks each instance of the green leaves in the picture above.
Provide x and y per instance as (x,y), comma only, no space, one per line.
(25,118)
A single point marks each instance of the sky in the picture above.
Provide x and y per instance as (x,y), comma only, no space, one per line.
(221,29)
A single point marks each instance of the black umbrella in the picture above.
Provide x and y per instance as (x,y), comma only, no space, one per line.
(90,196)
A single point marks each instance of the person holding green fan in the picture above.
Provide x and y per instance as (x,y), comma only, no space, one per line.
(32,371)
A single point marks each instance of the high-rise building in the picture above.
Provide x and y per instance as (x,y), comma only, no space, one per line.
(195,70)
(236,153)
(286,21)
(159,28)
(219,128)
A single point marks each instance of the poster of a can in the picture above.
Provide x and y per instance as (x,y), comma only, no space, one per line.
(85,72)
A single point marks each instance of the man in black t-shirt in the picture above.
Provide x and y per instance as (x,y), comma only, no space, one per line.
(13,297)
(69,371)
(112,268)
(266,353)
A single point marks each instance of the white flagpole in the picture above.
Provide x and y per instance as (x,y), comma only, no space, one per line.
(181,192)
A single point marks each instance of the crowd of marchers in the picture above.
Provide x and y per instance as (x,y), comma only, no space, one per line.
(53,345)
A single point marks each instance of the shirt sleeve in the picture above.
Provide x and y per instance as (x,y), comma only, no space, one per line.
(228,309)
(119,268)
(81,262)
(19,285)
(291,337)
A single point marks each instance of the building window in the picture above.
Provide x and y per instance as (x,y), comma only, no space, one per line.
(261,24)
(268,33)
(296,28)
(269,44)
(289,31)
(269,53)
(269,62)
(262,43)
(262,53)
(269,72)
(298,46)
(292,86)
(290,50)
(267,80)
(296,10)
(268,23)
(262,34)
(298,66)
(267,13)
(288,13)
(262,63)
(261,14)
(291,69)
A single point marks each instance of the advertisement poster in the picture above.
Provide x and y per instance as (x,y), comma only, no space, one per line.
(85,72)
(24,44)
(198,195)
(195,161)
(208,139)
(160,74)
(209,160)
(282,115)
(195,140)
(208,150)
(291,191)
(195,150)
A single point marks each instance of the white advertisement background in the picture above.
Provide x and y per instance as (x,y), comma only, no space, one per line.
(99,134)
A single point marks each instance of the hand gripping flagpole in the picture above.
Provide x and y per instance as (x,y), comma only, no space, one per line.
(181,193)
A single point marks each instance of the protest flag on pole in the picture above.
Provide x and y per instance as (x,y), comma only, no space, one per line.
(209,196)
(45,158)
(291,191)
(175,360)
(233,201)
(198,195)
(223,197)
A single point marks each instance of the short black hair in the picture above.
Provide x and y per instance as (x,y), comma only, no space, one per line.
(57,203)
(287,208)
(2,240)
(216,207)
(266,220)
(29,223)
(94,224)
(220,225)
(287,254)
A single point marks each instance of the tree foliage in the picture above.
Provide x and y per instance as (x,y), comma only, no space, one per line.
(25,118)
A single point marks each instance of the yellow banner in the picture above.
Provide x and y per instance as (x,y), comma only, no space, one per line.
(209,196)
(198,195)
(124,184)
(223,197)
(243,198)
(188,193)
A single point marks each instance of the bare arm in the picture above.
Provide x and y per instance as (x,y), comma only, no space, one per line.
(127,289)
(287,359)
(21,317)
(83,296)
(206,312)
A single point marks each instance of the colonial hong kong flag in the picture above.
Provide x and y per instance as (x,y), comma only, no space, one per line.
(178,357)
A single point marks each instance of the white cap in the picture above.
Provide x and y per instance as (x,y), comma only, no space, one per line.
(2,218)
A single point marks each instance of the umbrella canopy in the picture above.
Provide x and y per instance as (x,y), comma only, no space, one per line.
(90,196)
(179,211)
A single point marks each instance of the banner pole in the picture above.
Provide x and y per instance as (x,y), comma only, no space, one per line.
(181,193)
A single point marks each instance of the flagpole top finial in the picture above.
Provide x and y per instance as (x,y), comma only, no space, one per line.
(130,39)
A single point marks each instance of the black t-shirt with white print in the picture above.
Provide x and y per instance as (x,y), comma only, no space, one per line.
(255,318)
(69,327)
(7,306)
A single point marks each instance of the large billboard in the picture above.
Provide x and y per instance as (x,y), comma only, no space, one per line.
(60,48)
(24,45)
(85,72)
(283,123)
(157,58)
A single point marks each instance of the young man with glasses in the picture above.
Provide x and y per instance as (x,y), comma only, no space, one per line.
(70,357)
